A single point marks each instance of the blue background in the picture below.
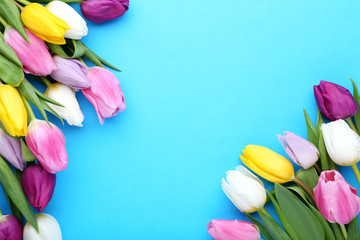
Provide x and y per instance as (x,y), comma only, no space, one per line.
(202,79)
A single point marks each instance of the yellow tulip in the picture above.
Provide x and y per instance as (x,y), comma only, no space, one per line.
(12,111)
(44,24)
(268,164)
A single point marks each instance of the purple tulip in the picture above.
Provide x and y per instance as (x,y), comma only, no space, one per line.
(38,185)
(34,57)
(334,101)
(70,72)
(11,150)
(336,200)
(105,93)
(233,230)
(300,150)
(100,11)
(10,228)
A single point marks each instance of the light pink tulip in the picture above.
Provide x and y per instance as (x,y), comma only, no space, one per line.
(48,145)
(105,93)
(11,150)
(35,57)
(232,230)
(336,200)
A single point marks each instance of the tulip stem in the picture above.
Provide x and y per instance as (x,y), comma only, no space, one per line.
(28,108)
(19,5)
(25,2)
(304,186)
(318,169)
(3,22)
(45,81)
(356,171)
(81,60)
(351,124)
(344,232)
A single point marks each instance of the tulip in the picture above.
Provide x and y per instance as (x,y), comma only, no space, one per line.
(336,200)
(10,228)
(11,150)
(48,145)
(341,142)
(100,11)
(233,230)
(77,24)
(12,111)
(38,185)
(268,164)
(49,229)
(65,95)
(35,57)
(70,72)
(105,93)
(43,23)
(244,189)
(300,150)
(334,101)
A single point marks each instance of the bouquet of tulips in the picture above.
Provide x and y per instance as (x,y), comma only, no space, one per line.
(316,202)
(42,43)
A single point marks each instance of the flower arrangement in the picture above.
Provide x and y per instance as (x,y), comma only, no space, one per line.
(316,202)
(43,43)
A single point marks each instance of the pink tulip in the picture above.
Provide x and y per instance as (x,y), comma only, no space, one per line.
(35,57)
(232,230)
(10,228)
(48,145)
(38,186)
(105,93)
(336,200)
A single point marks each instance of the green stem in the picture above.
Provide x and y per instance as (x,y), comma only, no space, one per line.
(25,2)
(356,171)
(3,22)
(45,81)
(318,169)
(352,126)
(28,109)
(344,232)
(80,59)
(304,186)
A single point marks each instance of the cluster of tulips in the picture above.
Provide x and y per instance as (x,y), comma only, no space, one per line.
(316,202)
(42,43)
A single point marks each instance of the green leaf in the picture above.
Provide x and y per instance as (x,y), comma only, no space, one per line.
(26,153)
(301,193)
(353,229)
(262,228)
(337,231)
(15,211)
(8,52)
(319,120)
(329,235)
(10,73)
(272,226)
(13,188)
(98,61)
(308,176)
(325,160)
(357,100)
(299,215)
(311,130)
(72,49)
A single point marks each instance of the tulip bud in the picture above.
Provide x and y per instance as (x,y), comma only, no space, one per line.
(268,164)
(103,10)
(233,230)
(105,93)
(70,72)
(43,23)
(49,229)
(35,57)
(11,150)
(38,186)
(48,145)
(300,150)
(336,200)
(244,189)
(341,142)
(77,24)
(12,111)
(65,95)
(10,228)
(334,101)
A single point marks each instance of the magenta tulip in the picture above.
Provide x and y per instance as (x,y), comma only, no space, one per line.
(336,200)
(105,93)
(100,11)
(232,230)
(70,72)
(48,145)
(11,150)
(334,101)
(38,185)
(10,228)
(35,57)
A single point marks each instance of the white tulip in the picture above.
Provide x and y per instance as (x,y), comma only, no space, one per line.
(244,189)
(77,24)
(49,229)
(342,143)
(65,95)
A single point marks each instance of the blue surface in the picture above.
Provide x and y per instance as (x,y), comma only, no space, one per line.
(202,79)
